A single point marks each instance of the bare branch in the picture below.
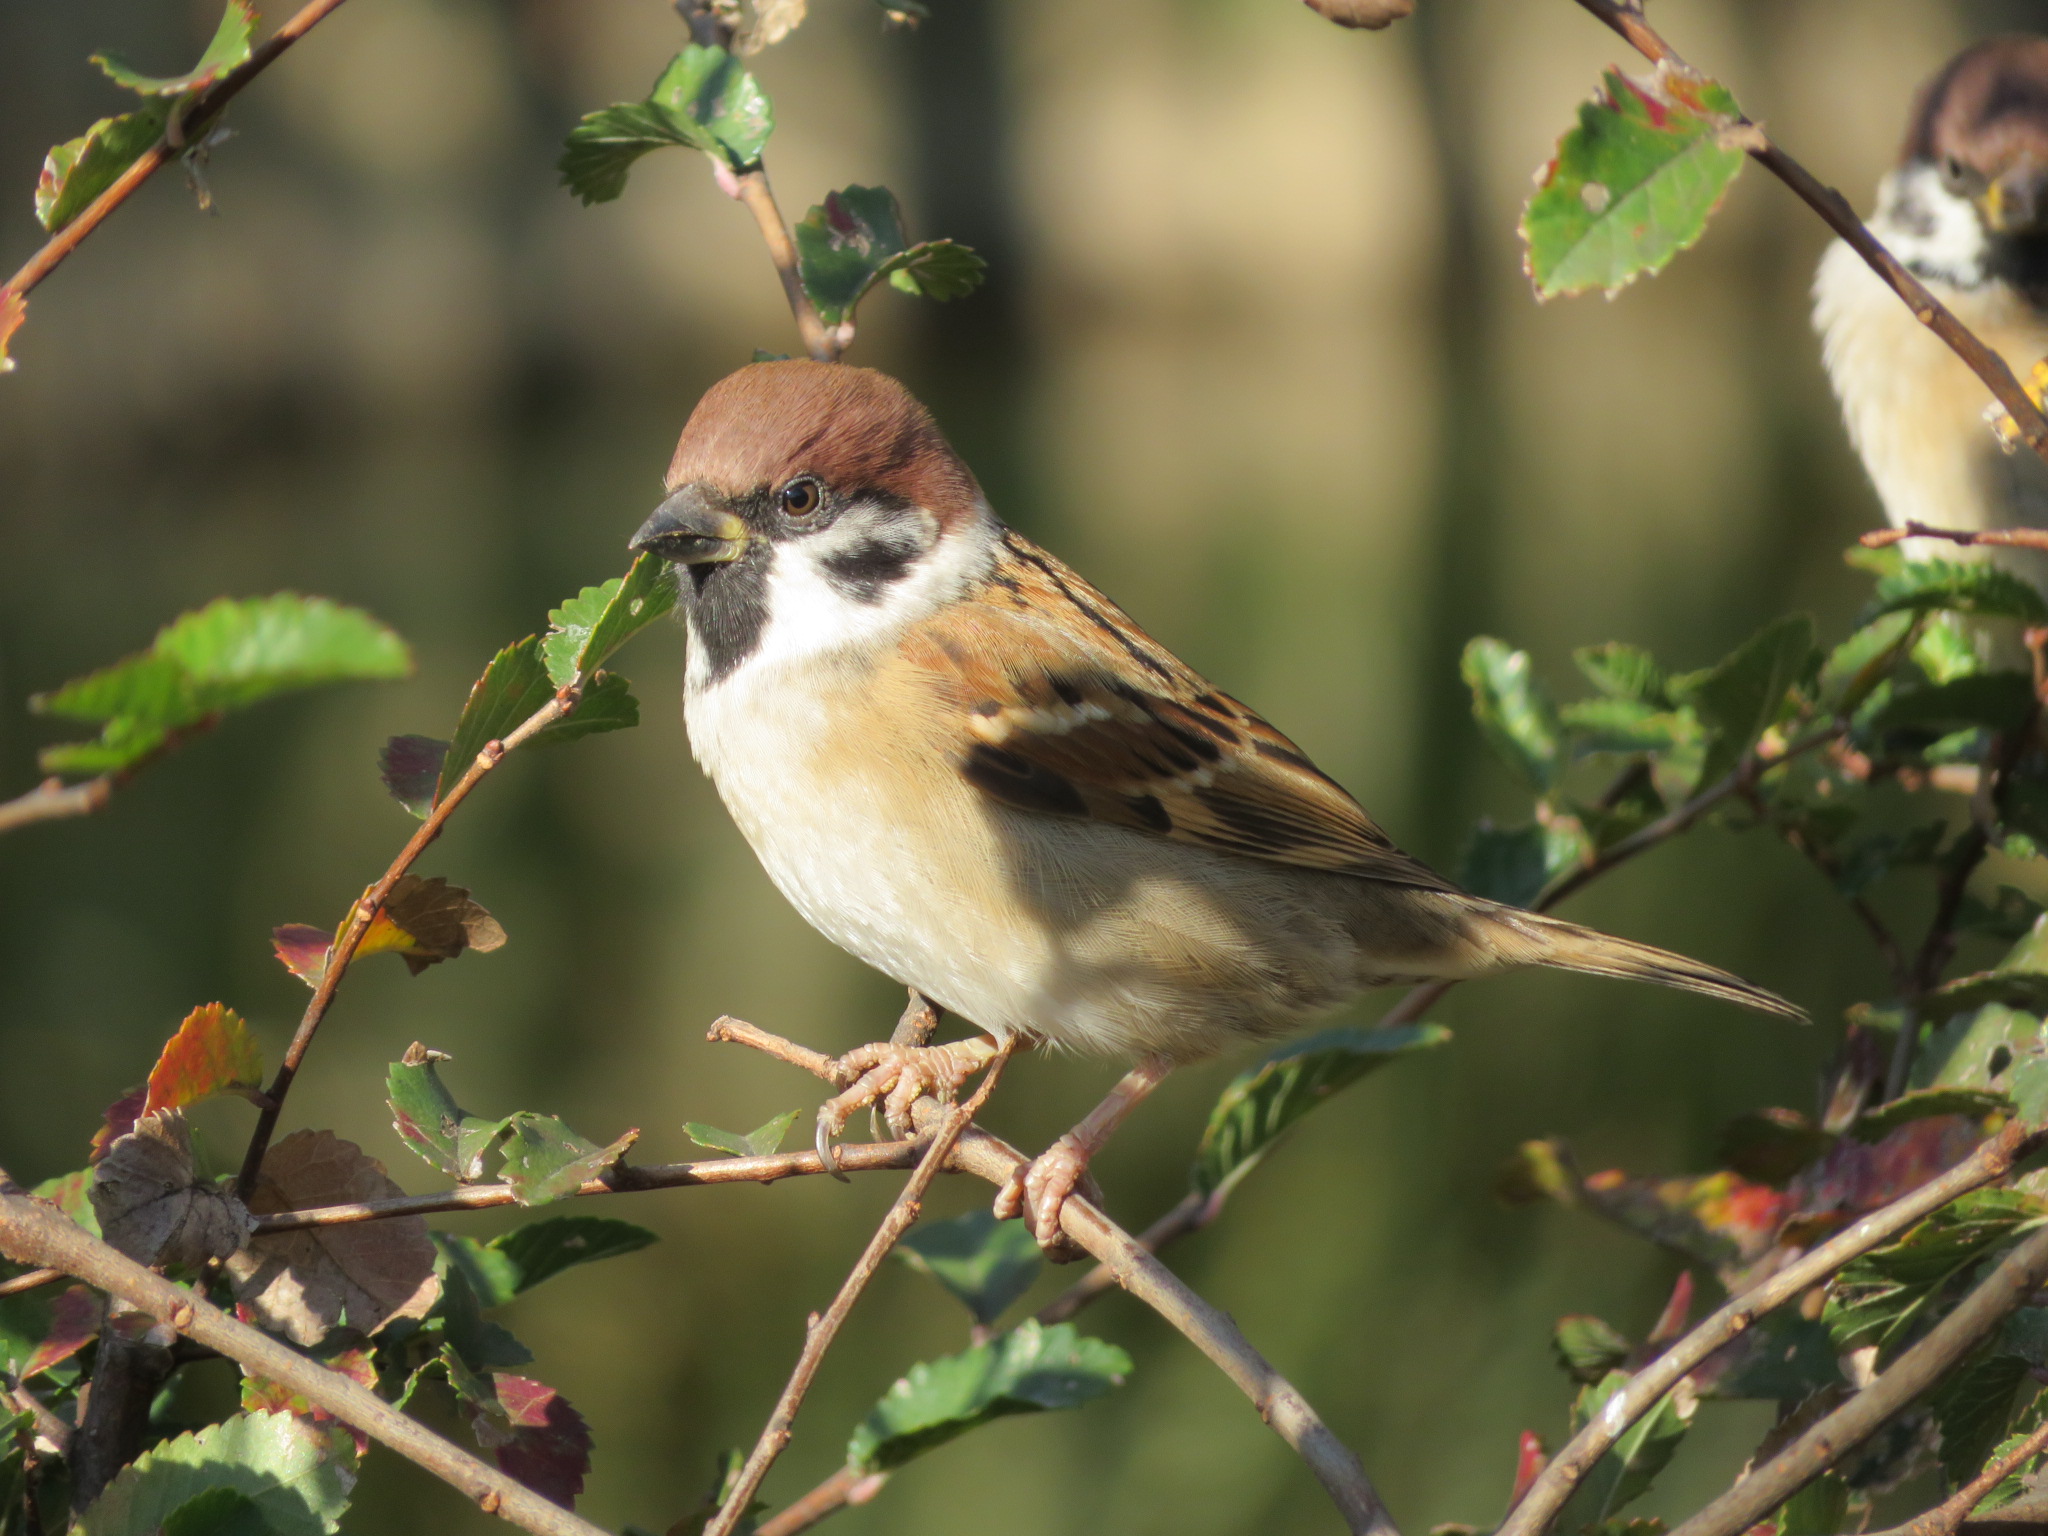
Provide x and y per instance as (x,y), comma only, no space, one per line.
(34,1232)
(821,1331)
(751,188)
(53,799)
(34,1279)
(1547,1495)
(1626,17)
(1946,1518)
(2017,538)
(844,1489)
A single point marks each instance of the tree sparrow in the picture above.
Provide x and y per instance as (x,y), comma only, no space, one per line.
(969,768)
(1966,210)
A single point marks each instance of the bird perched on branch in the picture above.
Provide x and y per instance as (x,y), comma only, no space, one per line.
(1966,210)
(968,767)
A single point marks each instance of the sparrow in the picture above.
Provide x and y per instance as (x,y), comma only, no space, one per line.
(970,769)
(1966,211)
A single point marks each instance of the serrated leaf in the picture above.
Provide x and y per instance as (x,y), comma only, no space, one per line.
(1972,1408)
(534,1436)
(152,1204)
(410,767)
(1624,725)
(703,100)
(941,270)
(845,244)
(1998,701)
(427,1118)
(607,705)
(588,628)
(75,1317)
(229,47)
(1587,1348)
(474,1342)
(1623,672)
(540,1250)
(513,687)
(545,1160)
(358,1365)
(2024,990)
(1514,713)
(1265,1102)
(1955,586)
(217,1512)
(1027,1370)
(493,1278)
(1741,695)
(1632,184)
(300,1477)
(79,170)
(1925,1103)
(426,921)
(1879,1298)
(1632,1463)
(760,1142)
(1515,865)
(985,1263)
(212,1052)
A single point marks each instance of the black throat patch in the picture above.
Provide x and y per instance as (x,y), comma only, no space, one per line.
(727,608)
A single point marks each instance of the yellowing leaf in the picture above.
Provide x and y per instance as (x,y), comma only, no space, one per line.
(211,1053)
(425,922)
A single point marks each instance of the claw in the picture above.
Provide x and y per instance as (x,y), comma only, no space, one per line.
(827,1153)
(895,1077)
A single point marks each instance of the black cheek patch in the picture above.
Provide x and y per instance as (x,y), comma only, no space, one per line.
(1020,782)
(867,570)
(727,606)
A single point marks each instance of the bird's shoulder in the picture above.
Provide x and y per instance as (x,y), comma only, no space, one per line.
(1055,701)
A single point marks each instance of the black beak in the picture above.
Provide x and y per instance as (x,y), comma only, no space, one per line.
(692,528)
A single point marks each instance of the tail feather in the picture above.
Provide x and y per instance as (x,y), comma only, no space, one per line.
(1568,947)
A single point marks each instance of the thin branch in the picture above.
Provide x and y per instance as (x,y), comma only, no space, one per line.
(204,107)
(1626,18)
(1547,1495)
(1194,1212)
(2017,538)
(1151,1282)
(365,911)
(53,799)
(1947,1517)
(34,1232)
(751,187)
(2014,1279)
(845,1489)
(47,1425)
(33,1280)
(821,1331)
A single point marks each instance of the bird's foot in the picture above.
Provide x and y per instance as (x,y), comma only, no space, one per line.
(1038,1191)
(896,1077)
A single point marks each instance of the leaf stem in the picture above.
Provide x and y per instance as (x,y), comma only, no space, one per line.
(751,188)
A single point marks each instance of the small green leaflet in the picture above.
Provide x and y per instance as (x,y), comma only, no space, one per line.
(1741,694)
(1972,1408)
(986,1263)
(1632,1463)
(1515,865)
(79,170)
(703,100)
(1262,1104)
(1623,672)
(513,688)
(297,1474)
(228,50)
(759,1142)
(1514,713)
(226,656)
(855,238)
(540,1250)
(1587,1348)
(1632,184)
(1879,1297)
(545,1160)
(427,1118)
(1025,1371)
(589,627)
(1954,586)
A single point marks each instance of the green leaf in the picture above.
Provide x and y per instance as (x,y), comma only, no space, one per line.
(1740,696)
(760,1142)
(297,1474)
(79,170)
(843,246)
(545,1160)
(1030,1369)
(1880,1297)
(1623,672)
(703,100)
(1265,1102)
(427,1118)
(2025,990)
(1821,1508)
(1854,668)
(1631,185)
(1998,701)
(514,686)
(1784,1358)
(1587,1348)
(936,269)
(1972,1408)
(985,1263)
(1514,714)
(1515,866)
(1977,1103)
(607,705)
(226,656)
(1632,1463)
(1955,586)
(230,47)
(1624,725)
(1947,650)
(218,1512)
(493,1279)
(590,626)
(474,1341)
(540,1250)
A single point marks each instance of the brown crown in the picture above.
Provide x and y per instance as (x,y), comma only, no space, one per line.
(1988,108)
(853,428)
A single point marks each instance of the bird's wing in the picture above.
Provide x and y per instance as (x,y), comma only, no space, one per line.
(1067,708)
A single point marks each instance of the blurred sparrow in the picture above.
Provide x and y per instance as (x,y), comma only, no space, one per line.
(969,768)
(1966,210)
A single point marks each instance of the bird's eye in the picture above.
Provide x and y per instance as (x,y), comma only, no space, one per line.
(1952,171)
(800,498)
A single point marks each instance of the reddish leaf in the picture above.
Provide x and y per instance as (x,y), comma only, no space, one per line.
(71,1193)
(260,1395)
(120,1120)
(1530,1460)
(212,1052)
(303,950)
(535,1436)
(75,1319)
(428,921)
(1677,1311)
(1721,1220)
(1855,1178)
(411,769)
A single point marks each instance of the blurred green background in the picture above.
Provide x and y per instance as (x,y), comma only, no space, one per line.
(1256,355)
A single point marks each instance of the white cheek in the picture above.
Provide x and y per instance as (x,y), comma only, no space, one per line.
(1928,227)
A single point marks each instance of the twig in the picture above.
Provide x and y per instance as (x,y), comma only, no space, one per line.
(844,1489)
(1138,1272)
(1194,1212)
(821,1331)
(859,1157)
(1948,1516)
(47,1425)
(53,799)
(1547,1495)
(751,187)
(2018,538)
(205,106)
(1626,18)
(128,1371)
(365,911)
(33,1232)
(34,1279)
(2010,1283)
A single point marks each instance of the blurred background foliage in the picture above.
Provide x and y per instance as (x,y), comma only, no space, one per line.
(1256,354)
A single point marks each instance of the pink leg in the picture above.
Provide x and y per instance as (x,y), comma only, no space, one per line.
(1038,1190)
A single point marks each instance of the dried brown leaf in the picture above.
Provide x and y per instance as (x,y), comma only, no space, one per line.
(153,1206)
(428,921)
(362,1274)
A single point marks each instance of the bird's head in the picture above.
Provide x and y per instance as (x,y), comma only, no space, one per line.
(1982,126)
(812,505)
